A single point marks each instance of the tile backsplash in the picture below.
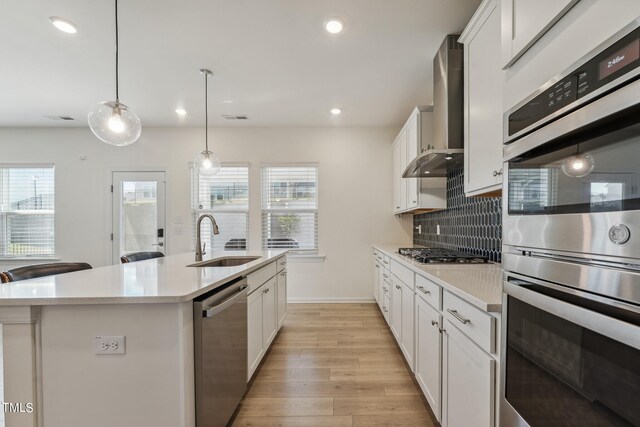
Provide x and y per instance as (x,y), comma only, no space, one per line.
(469,224)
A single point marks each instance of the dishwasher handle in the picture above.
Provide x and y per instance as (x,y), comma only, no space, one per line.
(212,311)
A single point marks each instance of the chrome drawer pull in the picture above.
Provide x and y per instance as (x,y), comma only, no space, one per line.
(461,319)
(398,287)
(424,291)
(385,309)
(434,323)
(386,276)
(385,262)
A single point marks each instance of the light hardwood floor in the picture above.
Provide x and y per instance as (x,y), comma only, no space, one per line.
(333,365)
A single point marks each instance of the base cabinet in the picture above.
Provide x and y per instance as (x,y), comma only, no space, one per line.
(395,317)
(282,297)
(428,366)
(468,382)
(408,308)
(266,311)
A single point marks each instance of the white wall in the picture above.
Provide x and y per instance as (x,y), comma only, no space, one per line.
(584,27)
(354,191)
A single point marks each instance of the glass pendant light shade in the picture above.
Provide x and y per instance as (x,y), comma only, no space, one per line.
(113,123)
(207,163)
(578,166)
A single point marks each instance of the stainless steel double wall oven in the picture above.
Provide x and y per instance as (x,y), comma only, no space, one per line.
(571,255)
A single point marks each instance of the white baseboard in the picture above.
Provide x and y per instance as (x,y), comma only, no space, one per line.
(331,300)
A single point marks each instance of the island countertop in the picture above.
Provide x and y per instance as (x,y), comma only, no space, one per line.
(161,280)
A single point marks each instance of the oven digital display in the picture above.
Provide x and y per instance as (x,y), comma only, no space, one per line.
(620,59)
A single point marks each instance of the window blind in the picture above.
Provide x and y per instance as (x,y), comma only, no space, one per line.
(27,207)
(225,196)
(290,207)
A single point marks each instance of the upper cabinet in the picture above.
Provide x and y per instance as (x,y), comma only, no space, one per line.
(525,21)
(414,195)
(483,101)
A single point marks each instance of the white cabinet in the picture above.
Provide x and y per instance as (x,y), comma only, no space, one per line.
(468,382)
(269,314)
(395,317)
(415,194)
(266,310)
(524,22)
(255,349)
(282,297)
(407,327)
(428,367)
(483,101)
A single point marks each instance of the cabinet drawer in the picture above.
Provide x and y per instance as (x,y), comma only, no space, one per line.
(386,303)
(429,291)
(473,322)
(403,273)
(281,263)
(257,278)
(385,260)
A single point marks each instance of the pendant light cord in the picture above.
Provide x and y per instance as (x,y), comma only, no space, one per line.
(206,112)
(117,65)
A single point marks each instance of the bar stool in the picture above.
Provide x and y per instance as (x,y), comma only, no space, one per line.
(41,270)
(140,256)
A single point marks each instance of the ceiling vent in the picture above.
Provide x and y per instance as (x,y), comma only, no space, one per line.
(234,117)
(66,118)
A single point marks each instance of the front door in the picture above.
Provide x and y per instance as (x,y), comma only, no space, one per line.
(138,212)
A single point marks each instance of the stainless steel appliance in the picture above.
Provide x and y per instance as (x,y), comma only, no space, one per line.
(447,149)
(441,256)
(571,245)
(220,327)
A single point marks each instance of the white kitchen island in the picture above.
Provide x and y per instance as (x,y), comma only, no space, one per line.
(49,327)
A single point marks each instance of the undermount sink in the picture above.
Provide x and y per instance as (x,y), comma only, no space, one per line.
(226,261)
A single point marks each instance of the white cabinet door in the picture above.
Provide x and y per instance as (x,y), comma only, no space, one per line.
(396,309)
(408,306)
(429,354)
(413,144)
(525,21)
(269,315)
(467,383)
(397,176)
(254,330)
(282,297)
(483,103)
(402,140)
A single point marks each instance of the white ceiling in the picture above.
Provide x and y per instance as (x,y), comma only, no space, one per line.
(272,58)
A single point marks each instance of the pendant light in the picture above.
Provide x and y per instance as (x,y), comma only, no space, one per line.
(578,165)
(206,161)
(111,121)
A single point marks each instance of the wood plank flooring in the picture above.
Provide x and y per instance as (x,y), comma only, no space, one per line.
(333,365)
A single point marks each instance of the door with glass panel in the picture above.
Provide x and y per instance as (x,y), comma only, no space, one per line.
(138,213)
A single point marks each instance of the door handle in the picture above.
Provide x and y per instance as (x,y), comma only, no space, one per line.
(424,291)
(461,319)
(210,312)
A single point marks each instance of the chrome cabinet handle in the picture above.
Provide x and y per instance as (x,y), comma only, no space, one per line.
(386,276)
(434,323)
(424,291)
(496,173)
(385,309)
(377,266)
(158,244)
(415,201)
(461,319)
(385,262)
(283,274)
(398,287)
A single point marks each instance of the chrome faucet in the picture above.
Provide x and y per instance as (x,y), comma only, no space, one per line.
(199,247)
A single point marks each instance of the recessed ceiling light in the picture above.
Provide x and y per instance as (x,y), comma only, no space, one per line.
(181,112)
(334,26)
(336,111)
(448,157)
(63,25)
(427,172)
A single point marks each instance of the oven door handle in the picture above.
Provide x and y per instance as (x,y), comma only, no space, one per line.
(624,332)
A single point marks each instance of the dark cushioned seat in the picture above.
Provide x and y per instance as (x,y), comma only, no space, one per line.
(41,270)
(140,256)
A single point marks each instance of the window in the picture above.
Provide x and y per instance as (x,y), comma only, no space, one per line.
(27,211)
(290,207)
(225,196)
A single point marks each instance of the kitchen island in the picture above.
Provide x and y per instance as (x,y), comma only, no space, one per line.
(50,326)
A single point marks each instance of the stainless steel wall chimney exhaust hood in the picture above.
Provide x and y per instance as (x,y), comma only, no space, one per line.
(446,151)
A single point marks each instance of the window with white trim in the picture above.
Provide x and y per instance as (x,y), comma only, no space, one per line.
(290,207)
(225,196)
(27,208)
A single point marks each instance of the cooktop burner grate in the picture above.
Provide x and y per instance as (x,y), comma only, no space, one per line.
(441,256)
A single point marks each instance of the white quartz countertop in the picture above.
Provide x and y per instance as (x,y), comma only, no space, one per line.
(160,280)
(478,284)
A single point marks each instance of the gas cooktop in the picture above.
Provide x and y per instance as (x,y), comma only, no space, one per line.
(441,256)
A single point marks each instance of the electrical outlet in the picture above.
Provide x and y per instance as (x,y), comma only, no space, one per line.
(438,229)
(109,344)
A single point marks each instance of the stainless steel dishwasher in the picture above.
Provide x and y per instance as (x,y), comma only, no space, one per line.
(220,329)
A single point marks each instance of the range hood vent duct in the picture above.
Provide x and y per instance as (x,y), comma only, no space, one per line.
(446,151)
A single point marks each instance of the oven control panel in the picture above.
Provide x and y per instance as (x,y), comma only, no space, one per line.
(617,60)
